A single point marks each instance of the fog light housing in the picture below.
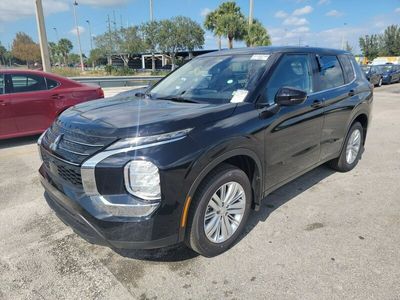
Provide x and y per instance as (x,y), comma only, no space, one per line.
(142,180)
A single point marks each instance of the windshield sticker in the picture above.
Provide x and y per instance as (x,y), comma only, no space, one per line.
(239,96)
(260,57)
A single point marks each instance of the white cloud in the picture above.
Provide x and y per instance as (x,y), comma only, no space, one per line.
(303,11)
(281,14)
(301,29)
(322,2)
(295,21)
(12,10)
(397,10)
(334,13)
(205,11)
(82,30)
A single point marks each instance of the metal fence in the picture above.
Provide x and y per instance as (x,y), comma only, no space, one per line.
(118,81)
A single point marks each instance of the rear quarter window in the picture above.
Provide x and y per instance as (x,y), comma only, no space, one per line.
(2,89)
(51,84)
(348,69)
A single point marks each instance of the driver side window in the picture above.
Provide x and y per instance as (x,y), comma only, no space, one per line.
(293,70)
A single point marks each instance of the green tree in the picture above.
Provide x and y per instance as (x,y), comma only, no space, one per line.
(390,41)
(64,48)
(370,46)
(23,48)
(95,56)
(257,35)
(150,31)
(190,33)
(210,23)
(54,53)
(3,55)
(169,39)
(227,20)
(130,42)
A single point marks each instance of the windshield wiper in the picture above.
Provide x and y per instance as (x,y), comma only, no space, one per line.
(177,99)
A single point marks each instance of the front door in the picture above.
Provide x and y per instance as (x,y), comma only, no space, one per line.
(292,140)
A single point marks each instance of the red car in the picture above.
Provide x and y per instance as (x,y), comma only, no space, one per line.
(31,100)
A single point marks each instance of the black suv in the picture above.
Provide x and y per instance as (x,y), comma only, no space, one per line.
(189,158)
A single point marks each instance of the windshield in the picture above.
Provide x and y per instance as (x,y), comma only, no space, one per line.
(212,79)
(384,69)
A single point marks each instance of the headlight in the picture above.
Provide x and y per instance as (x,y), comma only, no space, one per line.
(143,140)
(142,180)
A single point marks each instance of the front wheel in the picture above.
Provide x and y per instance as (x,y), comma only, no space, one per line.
(351,151)
(380,82)
(219,211)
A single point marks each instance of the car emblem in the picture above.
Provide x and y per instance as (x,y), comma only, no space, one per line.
(54,145)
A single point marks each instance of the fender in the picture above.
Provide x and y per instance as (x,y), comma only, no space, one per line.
(257,194)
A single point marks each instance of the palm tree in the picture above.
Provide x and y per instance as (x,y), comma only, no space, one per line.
(257,35)
(227,20)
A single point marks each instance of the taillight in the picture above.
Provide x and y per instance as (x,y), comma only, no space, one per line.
(100,93)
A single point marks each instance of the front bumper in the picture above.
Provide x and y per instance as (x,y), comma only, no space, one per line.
(140,234)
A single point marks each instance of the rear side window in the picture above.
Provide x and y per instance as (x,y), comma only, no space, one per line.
(2,90)
(27,83)
(348,68)
(330,74)
(51,84)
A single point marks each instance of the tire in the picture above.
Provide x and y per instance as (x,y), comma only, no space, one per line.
(380,82)
(226,176)
(343,163)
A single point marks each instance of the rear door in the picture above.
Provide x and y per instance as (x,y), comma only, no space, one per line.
(7,121)
(338,90)
(32,102)
(292,141)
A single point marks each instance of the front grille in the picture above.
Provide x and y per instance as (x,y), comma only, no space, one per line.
(64,170)
(71,145)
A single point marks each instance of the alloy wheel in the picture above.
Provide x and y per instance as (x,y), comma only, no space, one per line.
(224,212)
(353,146)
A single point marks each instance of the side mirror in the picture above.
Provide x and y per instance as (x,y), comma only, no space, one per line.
(288,96)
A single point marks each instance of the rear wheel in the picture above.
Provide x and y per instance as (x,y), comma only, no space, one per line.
(352,150)
(380,82)
(219,211)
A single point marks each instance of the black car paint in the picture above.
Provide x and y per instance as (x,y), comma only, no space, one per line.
(281,142)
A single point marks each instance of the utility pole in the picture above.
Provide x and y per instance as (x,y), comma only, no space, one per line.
(110,38)
(251,9)
(90,33)
(343,33)
(151,11)
(78,35)
(44,47)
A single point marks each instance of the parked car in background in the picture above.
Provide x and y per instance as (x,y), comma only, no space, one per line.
(187,160)
(390,73)
(31,100)
(373,74)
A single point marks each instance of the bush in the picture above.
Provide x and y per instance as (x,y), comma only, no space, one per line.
(160,73)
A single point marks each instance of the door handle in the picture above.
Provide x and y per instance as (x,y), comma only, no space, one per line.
(3,103)
(352,93)
(317,104)
(56,97)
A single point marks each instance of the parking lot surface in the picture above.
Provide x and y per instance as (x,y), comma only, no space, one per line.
(326,235)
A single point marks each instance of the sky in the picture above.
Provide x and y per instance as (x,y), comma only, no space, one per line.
(321,23)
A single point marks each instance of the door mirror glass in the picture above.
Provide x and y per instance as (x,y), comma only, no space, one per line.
(288,96)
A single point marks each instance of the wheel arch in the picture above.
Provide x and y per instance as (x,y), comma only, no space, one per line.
(244,159)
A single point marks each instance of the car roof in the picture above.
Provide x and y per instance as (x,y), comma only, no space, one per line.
(36,72)
(275,49)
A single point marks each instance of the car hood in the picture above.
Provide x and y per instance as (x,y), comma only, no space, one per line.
(131,116)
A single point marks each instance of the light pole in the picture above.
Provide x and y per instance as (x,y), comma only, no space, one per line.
(343,33)
(78,35)
(151,10)
(153,59)
(44,47)
(56,31)
(90,33)
(251,9)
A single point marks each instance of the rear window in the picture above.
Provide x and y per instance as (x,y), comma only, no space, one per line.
(330,74)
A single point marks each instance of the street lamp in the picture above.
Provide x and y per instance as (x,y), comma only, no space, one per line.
(90,33)
(78,35)
(44,48)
